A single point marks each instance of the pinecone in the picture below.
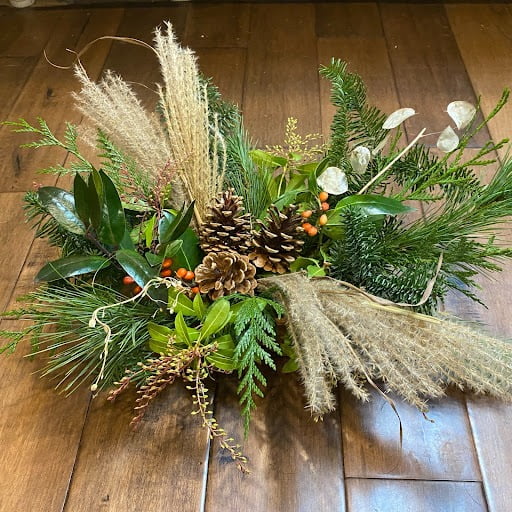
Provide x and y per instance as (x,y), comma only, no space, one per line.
(226,228)
(226,272)
(277,244)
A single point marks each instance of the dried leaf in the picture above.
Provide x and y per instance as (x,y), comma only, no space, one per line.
(360,158)
(461,112)
(333,181)
(398,117)
(448,140)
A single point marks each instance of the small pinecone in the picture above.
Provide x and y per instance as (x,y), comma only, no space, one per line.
(226,272)
(277,244)
(226,228)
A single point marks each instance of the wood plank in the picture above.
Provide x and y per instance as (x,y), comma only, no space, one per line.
(159,467)
(280,84)
(41,455)
(47,94)
(353,33)
(164,464)
(296,463)
(482,34)
(442,450)
(218,25)
(391,495)
(429,70)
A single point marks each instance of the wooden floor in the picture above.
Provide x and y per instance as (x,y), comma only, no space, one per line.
(75,455)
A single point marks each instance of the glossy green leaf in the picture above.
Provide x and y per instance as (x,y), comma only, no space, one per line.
(95,198)
(180,303)
(315,271)
(290,366)
(199,306)
(82,205)
(135,266)
(173,225)
(71,266)
(154,259)
(61,206)
(181,329)
(372,204)
(223,358)
(216,318)
(160,335)
(148,231)
(173,248)
(113,224)
(127,242)
(189,255)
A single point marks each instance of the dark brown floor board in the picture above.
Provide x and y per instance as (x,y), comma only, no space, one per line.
(47,94)
(296,463)
(428,68)
(281,79)
(218,25)
(414,495)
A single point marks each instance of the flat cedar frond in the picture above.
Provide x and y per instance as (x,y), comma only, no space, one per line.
(255,331)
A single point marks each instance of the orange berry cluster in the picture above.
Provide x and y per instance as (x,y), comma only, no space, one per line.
(165,271)
(322,219)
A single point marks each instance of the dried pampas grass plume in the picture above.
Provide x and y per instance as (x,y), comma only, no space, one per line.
(339,335)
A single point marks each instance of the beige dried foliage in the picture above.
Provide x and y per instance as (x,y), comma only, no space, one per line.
(341,336)
(185,110)
(112,106)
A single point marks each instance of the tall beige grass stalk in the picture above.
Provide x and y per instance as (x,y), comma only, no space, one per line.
(414,355)
(184,103)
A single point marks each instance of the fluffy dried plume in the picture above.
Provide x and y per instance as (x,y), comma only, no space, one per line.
(341,336)
(184,105)
(112,106)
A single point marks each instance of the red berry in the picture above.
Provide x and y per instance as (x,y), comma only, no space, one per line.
(181,272)
(195,289)
(167,263)
(189,275)
(323,196)
(323,220)
(166,272)
(325,206)
(313,231)
(306,226)
(136,290)
(128,280)
(306,214)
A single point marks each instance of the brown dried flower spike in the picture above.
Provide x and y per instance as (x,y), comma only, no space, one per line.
(226,272)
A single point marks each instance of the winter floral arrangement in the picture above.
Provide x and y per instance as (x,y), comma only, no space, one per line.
(189,251)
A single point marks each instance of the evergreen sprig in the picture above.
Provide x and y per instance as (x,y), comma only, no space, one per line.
(255,331)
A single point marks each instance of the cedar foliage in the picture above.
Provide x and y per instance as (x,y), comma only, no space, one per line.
(255,331)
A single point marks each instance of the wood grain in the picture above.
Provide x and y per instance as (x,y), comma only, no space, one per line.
(287,83)
(438,450)
(296,463)
(47,94)
(428,68)
(218,25)
(409,496)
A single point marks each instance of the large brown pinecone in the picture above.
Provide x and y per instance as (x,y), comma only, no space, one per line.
(226,227)
(277,243)
(226,272)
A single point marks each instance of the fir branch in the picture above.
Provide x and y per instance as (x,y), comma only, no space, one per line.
(255,331)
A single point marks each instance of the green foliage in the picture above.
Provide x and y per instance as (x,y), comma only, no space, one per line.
(60,331)
(255,331)
(355,122)
(249,180)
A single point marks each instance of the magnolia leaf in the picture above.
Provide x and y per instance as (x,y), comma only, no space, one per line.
(462,112)
(71,266)
(135,266)
(448,140)
(61,206)
(360,158)
(398,117)
(333,181)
